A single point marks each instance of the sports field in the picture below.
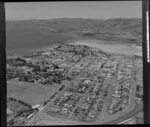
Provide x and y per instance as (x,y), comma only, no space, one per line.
(29,93)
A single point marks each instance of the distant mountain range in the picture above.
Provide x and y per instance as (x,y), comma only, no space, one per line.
(124,30)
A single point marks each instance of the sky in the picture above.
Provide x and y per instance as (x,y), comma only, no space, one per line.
(76,9)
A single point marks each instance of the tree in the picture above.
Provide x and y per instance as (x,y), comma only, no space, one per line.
(12,99)
(36,68)
(36,109)
(21,102)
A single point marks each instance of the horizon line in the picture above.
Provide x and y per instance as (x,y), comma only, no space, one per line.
(67,18)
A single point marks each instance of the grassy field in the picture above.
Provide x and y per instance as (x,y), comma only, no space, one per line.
(29,93)
(15,107)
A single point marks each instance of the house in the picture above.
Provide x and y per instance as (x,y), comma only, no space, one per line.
(54,109)
(36,106)
(30,115)
(46,53)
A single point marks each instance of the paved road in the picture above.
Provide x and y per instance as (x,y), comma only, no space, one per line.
(35,118)
(137,109)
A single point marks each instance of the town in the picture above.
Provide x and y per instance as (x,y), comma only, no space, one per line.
(90,74)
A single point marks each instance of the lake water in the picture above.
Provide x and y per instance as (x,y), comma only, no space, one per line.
(111,46)
(20,40)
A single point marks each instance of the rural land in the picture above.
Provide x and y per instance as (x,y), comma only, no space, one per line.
(73,71)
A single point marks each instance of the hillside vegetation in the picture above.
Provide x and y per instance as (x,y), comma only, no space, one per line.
(128,30)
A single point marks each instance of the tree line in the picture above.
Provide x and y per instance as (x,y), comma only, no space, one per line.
(20,101)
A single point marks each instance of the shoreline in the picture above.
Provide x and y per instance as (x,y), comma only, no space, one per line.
(114,48)
(107,46)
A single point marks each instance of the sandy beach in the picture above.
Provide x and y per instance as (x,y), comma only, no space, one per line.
(110,46)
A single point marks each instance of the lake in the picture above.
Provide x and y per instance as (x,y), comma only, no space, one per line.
(20,40)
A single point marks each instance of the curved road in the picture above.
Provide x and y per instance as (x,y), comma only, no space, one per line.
(137,109)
